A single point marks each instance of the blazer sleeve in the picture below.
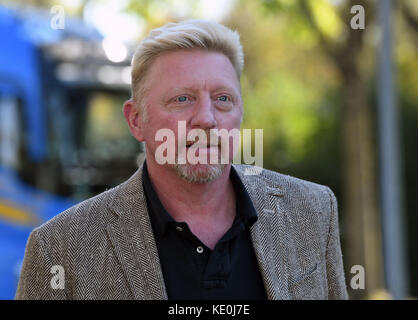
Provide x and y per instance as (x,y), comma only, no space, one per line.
(37,273)
(337,289)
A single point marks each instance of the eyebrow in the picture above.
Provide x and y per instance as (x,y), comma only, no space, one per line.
(218,88)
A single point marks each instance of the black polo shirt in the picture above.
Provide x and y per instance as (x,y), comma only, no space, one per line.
(193,271)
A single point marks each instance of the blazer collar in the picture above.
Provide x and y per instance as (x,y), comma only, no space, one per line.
(133,240)
(270,233)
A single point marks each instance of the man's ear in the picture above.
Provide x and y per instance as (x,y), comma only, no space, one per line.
(133,118)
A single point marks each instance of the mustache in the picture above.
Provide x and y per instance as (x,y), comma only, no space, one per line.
(202,145)
(212,140)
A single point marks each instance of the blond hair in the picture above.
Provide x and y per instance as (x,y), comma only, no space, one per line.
(189,34)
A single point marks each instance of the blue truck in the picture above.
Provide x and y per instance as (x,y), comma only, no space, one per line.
(62,132)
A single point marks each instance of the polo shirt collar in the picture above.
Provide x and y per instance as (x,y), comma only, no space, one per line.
(161,219)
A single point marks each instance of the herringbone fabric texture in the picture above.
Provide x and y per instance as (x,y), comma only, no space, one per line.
(107,249)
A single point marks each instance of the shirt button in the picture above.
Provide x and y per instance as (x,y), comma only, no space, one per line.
(199,249)
(178,228)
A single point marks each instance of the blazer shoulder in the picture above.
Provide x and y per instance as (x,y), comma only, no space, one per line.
(89,213)
(85,222)
(301,192)
(318,194)
(280,180)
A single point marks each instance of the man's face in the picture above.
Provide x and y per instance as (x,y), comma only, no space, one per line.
(198,87)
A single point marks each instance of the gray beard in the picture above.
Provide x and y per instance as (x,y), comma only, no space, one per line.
(199,173)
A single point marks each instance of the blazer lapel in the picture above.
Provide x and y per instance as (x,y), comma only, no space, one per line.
(133,241)
(269,235)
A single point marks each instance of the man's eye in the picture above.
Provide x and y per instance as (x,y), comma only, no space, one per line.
(181,99)
(223,98)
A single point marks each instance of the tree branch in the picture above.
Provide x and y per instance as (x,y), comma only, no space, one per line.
(409,17)
(325,43)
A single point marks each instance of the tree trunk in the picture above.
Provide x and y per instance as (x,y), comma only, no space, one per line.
(361,224)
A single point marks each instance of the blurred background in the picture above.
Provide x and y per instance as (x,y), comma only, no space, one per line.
(338,104)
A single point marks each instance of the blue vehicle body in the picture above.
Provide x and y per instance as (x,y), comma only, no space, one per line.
(22,208)
(20,75)
(27,79)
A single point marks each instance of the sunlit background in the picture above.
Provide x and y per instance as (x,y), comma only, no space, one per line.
(333,111)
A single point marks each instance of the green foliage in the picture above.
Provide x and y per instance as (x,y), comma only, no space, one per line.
(285,83)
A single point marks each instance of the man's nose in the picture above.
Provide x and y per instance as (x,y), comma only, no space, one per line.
(204,114)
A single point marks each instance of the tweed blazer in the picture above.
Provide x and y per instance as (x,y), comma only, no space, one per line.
(106,249)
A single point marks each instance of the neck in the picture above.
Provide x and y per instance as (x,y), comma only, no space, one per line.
(187,201)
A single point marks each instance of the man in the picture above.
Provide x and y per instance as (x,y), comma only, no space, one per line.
(187,230)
